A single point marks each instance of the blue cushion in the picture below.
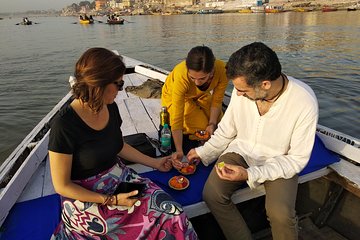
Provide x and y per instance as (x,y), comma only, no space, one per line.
(190,195)
(320,157)
(33,219)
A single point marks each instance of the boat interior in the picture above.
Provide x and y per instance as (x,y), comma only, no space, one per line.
(328,203)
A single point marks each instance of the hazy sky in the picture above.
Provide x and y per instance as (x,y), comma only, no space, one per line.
(25,5)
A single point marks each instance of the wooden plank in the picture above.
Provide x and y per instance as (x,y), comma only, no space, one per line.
(153,108)
(347,175)
(137,79)
(127,127)
(139,116)
(152,71)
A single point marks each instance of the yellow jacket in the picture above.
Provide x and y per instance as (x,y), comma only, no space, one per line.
(178,89)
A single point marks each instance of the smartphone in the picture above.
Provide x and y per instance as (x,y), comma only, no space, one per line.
(126,187)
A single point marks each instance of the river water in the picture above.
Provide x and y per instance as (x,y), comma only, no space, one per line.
(322,49)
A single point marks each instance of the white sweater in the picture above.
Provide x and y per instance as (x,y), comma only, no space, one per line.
(275,145)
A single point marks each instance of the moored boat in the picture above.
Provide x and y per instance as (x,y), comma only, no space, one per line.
(354,7)
(210,11)
(329,9)
(274,9)
(25,176)
(302,9)
(245,10)
(258,9)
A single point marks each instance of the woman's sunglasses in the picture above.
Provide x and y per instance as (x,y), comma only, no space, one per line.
(119,84)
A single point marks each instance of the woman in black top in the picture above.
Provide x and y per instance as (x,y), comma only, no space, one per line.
(85,150)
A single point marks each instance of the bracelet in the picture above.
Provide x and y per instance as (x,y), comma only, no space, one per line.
(107,199)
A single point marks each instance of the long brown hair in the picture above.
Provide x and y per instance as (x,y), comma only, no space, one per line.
(95,69)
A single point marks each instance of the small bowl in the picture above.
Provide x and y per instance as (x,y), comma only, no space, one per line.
(202,135)
(179,180)
(190,169)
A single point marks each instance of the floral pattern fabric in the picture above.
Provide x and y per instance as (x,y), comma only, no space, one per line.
(155,216)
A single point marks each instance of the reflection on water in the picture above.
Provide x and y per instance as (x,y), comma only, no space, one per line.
(322,49)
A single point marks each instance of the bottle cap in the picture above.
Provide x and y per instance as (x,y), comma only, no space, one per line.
(166,125)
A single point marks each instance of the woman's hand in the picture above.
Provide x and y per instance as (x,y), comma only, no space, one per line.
(211,129)
(164,164)
(124,199)
(176,160)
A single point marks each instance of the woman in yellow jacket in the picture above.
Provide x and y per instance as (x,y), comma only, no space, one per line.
(193,93)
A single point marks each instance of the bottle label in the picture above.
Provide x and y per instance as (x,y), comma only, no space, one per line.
(164,118)
(166,141)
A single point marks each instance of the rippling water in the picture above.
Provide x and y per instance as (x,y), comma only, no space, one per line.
(323,49)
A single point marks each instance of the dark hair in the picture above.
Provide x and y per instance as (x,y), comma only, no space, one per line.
(95,69)
(200,58)
(256,62)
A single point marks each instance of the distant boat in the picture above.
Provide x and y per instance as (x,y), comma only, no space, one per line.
(115,21)
(25,21)
(329,9)
(88,21)
(301,9)
(189,12)
(210,11)
(258,9)
(274,9)
(354,7)
(245,10)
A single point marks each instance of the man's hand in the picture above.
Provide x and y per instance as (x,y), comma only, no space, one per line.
(193,157)
(231,172)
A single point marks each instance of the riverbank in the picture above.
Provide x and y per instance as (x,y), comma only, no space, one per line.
(314,5)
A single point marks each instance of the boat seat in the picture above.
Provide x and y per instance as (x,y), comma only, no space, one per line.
(44,212)
(191,198)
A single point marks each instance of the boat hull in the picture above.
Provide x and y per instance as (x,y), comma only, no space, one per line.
(86,21)
(115,22)
(329,9)
(26,23)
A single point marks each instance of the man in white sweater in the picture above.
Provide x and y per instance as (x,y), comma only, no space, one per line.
(265,137)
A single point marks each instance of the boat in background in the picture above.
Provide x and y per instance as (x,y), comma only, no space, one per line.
(25,176)
(89,21)
(302,9)
(274,9)
(245,10)
(115,21)
(210,11)
(329,9)
(258,9)
(354,7)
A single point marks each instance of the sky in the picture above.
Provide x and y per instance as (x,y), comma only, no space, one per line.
(26,5)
